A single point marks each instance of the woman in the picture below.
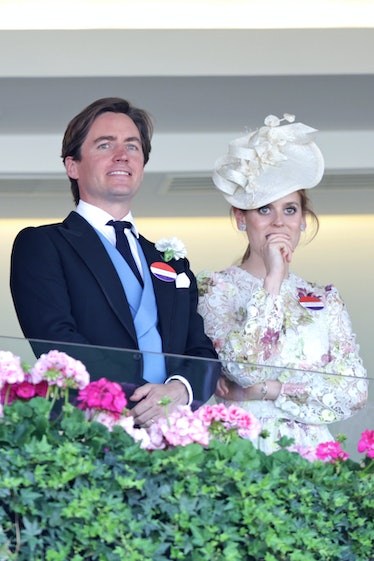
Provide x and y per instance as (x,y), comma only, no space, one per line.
(287,346)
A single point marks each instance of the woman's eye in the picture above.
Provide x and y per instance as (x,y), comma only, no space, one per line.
(290,210)
(263,210)
(131,147)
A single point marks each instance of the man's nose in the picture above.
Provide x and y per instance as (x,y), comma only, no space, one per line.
(120,154)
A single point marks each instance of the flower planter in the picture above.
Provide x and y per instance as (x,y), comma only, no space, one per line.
(74,489)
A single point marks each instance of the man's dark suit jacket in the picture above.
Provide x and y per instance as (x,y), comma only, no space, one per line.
(66,289)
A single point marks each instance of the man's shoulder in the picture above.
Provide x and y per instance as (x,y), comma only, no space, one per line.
(42,231)
(52,225)
(37,231)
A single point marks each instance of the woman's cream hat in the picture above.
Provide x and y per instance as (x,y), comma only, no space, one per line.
(269,163)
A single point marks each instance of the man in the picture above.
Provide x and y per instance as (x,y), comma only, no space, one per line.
(70,284)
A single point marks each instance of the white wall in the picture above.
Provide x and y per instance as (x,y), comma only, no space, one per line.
(342,254)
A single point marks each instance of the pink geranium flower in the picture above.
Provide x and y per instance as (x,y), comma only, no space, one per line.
(331,452)
(59,369)
(11,371)
(366,443)
(24,390)
(182,427)
(307,452)
(210,413)
(106,418)
(103,395)
(230,418)
(246,424)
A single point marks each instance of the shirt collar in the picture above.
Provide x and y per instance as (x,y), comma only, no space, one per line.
(98,217)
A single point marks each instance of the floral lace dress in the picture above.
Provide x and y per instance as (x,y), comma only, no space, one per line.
(302,337)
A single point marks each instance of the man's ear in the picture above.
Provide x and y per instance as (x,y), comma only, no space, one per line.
(71,167)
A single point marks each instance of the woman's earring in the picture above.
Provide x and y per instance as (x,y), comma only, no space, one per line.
(302,227)
(242,227)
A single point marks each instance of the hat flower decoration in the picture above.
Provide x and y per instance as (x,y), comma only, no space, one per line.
(269,163)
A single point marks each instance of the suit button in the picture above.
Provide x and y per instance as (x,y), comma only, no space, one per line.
(137,356)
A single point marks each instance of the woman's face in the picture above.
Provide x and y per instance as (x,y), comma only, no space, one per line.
(284,216)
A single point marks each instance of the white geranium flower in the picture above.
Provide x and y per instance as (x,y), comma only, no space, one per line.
(173,248)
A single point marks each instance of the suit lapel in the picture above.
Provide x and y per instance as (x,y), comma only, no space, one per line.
(84,240)
(165,293)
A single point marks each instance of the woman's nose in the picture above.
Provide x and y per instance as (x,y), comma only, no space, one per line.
(278,219)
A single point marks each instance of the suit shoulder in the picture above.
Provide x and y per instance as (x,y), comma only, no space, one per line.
(36,231)
(48,230)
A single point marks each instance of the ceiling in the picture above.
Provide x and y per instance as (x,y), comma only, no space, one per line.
(202,88)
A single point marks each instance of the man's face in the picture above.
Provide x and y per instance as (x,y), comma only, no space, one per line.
(112,162)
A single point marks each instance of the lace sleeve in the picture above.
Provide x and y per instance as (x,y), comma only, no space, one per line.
(242,331)
(324,398)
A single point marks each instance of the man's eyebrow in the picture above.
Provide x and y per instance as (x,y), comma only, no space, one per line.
(133,139)
(110,137)
(104,137)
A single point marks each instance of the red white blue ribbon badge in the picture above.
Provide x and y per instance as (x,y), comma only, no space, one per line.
(311,302)
(163,271)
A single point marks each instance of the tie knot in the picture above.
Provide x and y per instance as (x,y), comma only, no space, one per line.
(119,225)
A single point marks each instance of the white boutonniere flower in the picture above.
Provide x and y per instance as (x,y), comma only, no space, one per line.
(172,248)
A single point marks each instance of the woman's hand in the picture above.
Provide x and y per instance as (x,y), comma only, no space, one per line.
(277,254)
(231,391)
(222,388)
